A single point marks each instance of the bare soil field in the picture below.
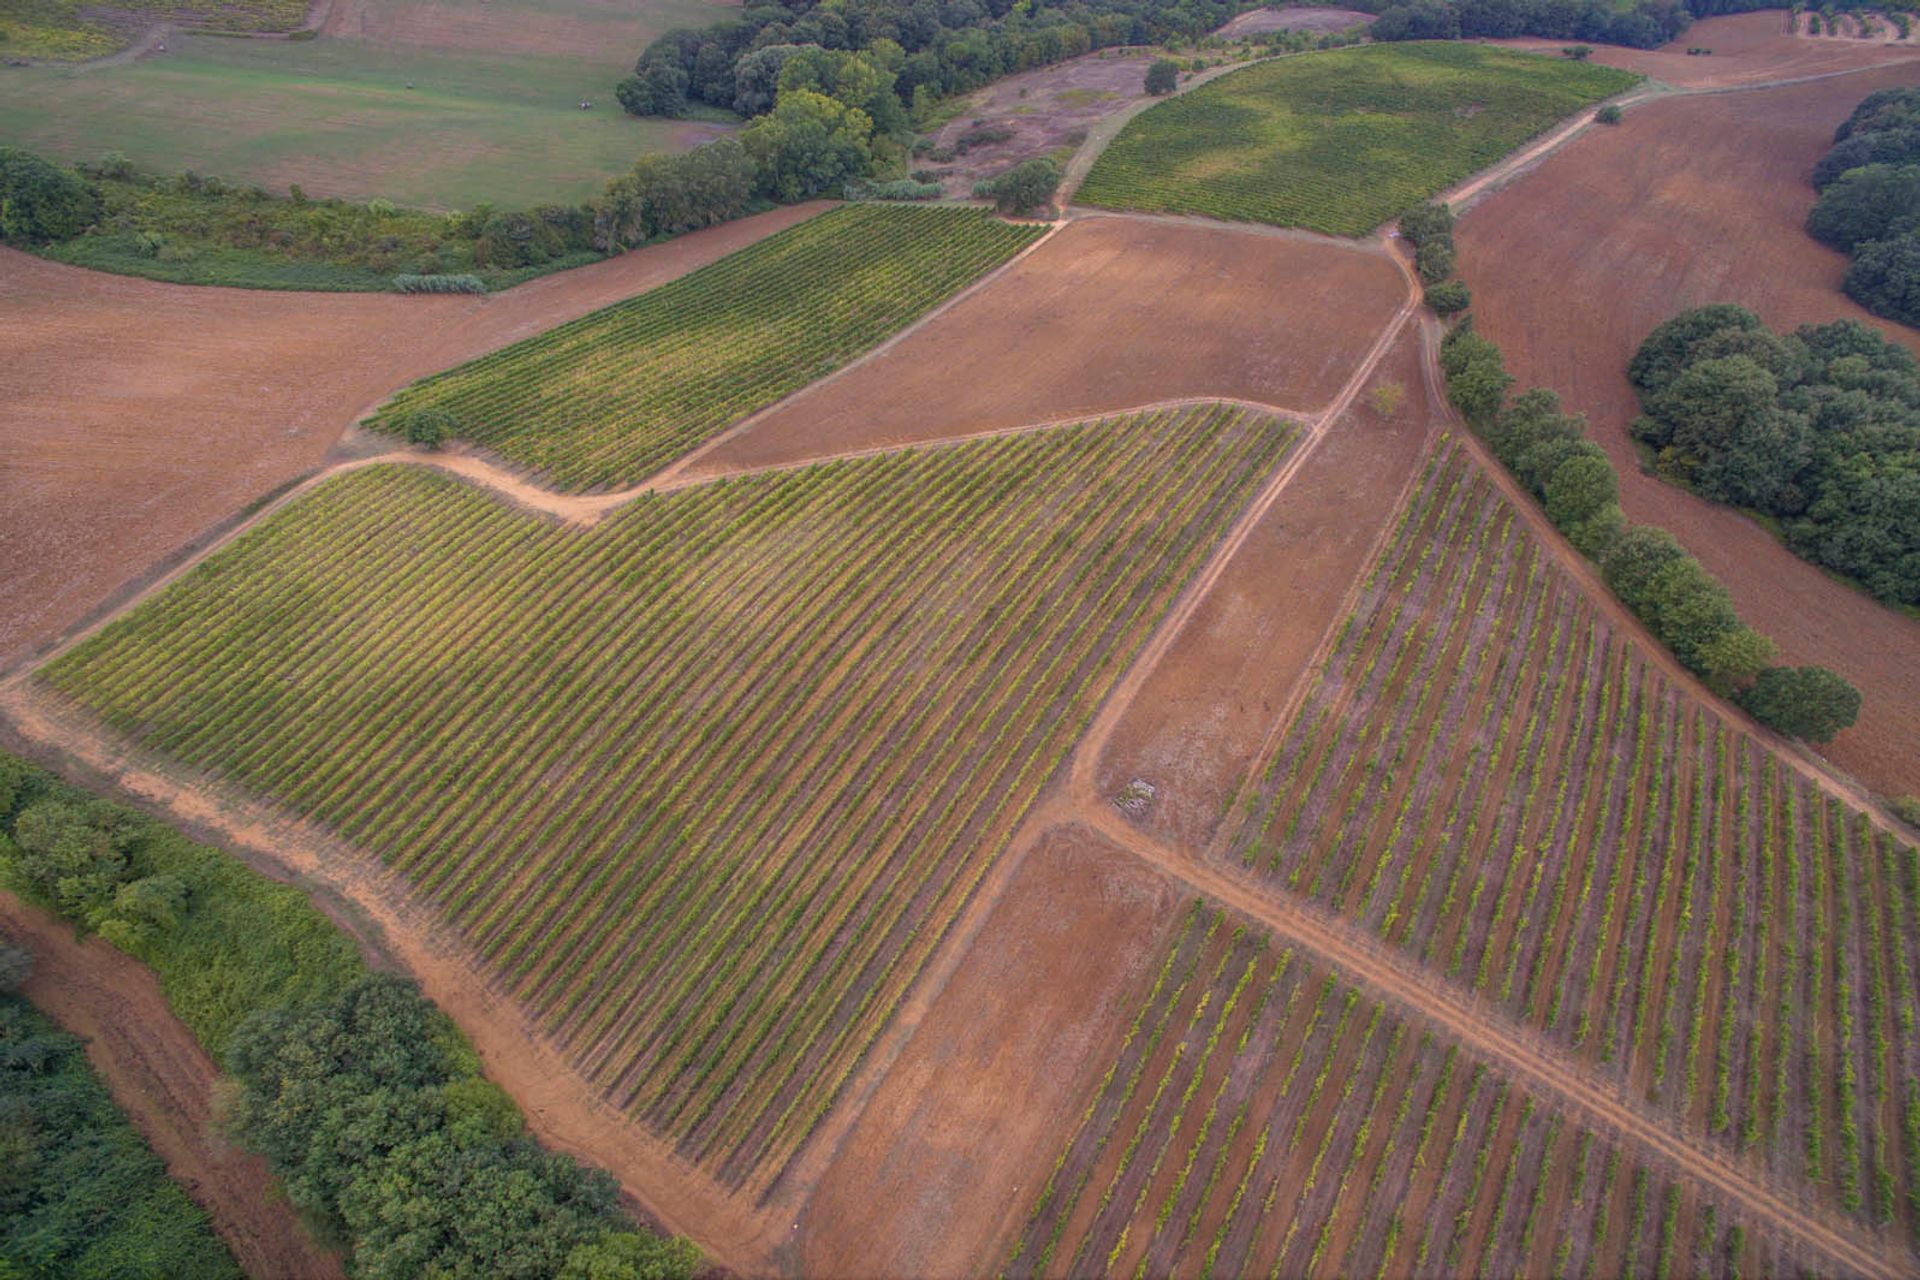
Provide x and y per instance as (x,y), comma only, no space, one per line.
(1307,18)
(1110,313)
(1198,723)
(1694,200)
(1045,109)
(164,1081)
(1748,48)
(136,416)
(1037,1002)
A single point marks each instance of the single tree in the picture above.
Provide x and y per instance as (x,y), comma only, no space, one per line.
(1163,76)
(1804,702)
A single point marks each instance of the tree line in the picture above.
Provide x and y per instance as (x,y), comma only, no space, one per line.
(1686,608)
(1869,205)
(1818,430)
(366,1101)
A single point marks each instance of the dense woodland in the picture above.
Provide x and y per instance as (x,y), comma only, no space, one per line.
(82,1196)
(365,1099)
(1818,430)
(1869,203)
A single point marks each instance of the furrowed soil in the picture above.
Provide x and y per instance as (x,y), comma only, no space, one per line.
(160,1076)
(961,1127)
(1694,200)
(1201,718)
(1107,314)
(1748,49)
(136,416)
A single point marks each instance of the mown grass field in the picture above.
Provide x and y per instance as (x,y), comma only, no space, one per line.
(705,784)
(1262,1117)
(607,399)
(493,114)
(1488,776)
(1341,141)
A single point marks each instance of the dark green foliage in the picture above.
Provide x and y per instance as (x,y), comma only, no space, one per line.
(1580,488)
(1609,114)
(1819,429)
(808,145)
(428,427)
(655,89)
(41,201)
(1163,76)
(1024,188)
(1871,202)
(1449,297)
(1636,559)
(1641,24)
(1879,110)
(1882,146)
(1688,609)
(370,1108)
(1885,278)
(16,966)
(665,195)
(1434,260)
(1425,223)
(1733,659)
(81,1195)
(465,283)
(1476,372)
(1802,702)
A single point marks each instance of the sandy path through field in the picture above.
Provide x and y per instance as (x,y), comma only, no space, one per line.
(161,1077)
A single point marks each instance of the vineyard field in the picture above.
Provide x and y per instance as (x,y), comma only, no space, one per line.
(606,400)
(1261,1117)
(1489,776)
(1342,141)
(704,785)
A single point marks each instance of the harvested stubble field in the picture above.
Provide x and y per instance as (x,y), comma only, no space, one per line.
(1487,776)
(1694,200)
(511,714)
(1261,1117)
(607,399)
(1339,142)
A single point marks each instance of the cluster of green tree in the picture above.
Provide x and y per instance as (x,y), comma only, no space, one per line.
(82,1196)
(200,230)
(365,1100)
(1869,203)
(932,48)
(1639,24)
(1818,429)
(1025,187)
(1685,607)
(1429,229)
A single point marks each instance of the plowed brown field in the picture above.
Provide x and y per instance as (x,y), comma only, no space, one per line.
(1110,313)
(1748,48)
(135,416)
(1694,200)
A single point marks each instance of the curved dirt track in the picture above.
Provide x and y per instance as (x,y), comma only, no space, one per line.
(135,416)
(160,1076)
(1635,223)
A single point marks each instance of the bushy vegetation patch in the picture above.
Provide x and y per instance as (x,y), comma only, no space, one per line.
(608,398)
(1869,203)
(1339,142)
(364,1098)
(1639,24)
(1025,188)
(81,1193)
(1818,430)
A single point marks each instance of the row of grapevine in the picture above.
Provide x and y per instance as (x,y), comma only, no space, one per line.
(1259,1117)
(703,785)
(1342,141)
(1488,775)
(607,399)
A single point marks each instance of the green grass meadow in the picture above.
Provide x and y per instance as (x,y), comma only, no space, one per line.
(336,116)
(1340,141)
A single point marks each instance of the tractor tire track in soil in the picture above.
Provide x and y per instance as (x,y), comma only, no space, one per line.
(160,1076)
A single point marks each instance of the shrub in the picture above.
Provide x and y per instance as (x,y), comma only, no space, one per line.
(430,428)
(1577,52)
(1027,186)
(898,189)
(1802,702)
(1871,202)
(1433,259)
(465,283)
(1163,76)
(39,201)
(1450,297)
(1476,372)
(1579,489)
(1609,114)
(1733,659)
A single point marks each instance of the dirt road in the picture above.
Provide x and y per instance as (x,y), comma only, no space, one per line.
(160,1076)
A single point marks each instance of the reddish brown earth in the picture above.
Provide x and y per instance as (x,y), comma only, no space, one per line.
(1256,21)
(135,416)
(1748,48)
(1110,313)
(165,1082)
(1202,717)
(962,1128)
(1694,200)
(1047,108)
